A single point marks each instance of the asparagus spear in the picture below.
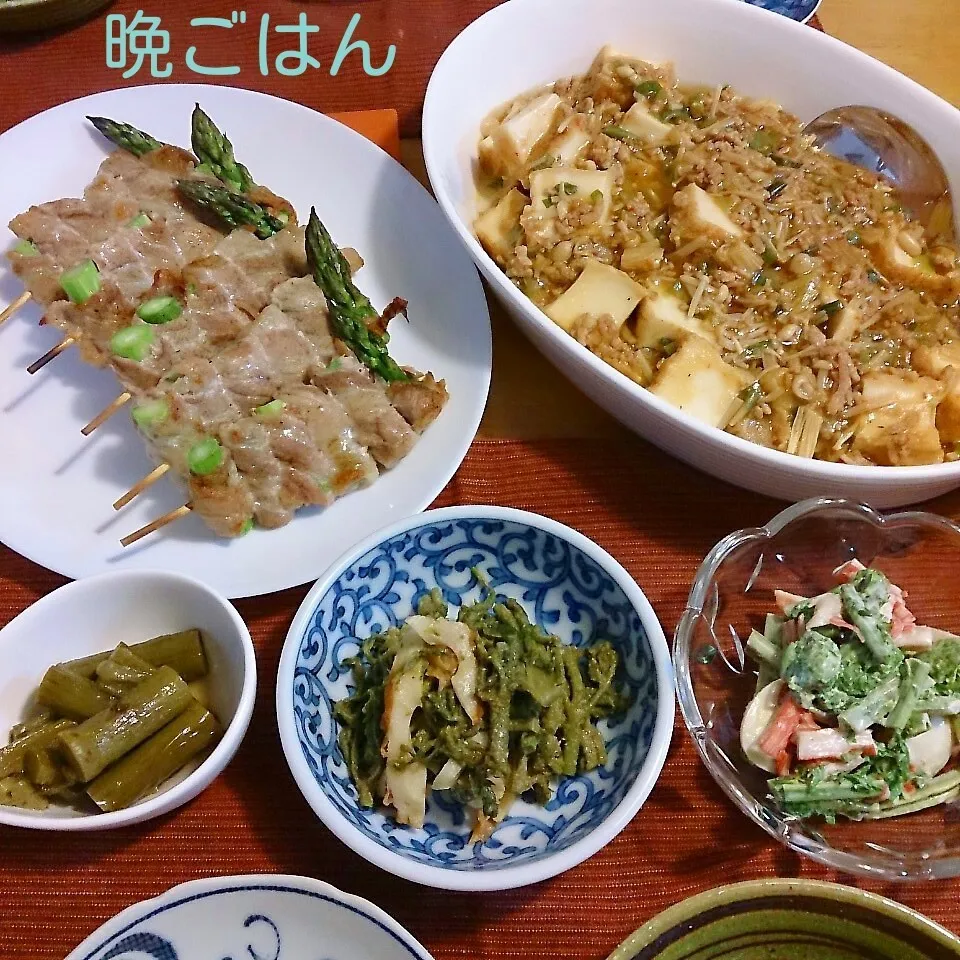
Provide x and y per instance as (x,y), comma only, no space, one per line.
(126,136)
(215,151)
(233,209)
(349,308)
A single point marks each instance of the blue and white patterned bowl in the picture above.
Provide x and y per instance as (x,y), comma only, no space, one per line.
(801,10)
(571,588)
(259,917)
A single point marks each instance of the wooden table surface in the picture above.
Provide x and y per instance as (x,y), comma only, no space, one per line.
(543,446)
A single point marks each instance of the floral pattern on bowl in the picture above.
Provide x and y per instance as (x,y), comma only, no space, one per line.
(801,10)
(263,917)
(797,552)
(567,592)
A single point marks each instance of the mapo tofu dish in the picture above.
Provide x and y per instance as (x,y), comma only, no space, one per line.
(697,241)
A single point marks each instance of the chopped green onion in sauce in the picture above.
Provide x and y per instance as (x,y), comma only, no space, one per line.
(150,414)
(140,220)
(272,409)
(834,306)
(26,248)
(618,133)
(649,89)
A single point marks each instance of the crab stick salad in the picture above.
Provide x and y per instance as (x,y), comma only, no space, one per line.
(857,710)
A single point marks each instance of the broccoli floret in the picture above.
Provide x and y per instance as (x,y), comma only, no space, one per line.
(862,602)
(811,665)
(944,660)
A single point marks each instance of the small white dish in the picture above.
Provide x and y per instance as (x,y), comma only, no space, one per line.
(264,917)
(57,494)
(759,53)
(570,587)
(93,615)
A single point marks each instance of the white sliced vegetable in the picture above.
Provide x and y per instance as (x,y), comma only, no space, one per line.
(518,134)
(406,786)
(930,751)
(600,290)
(830,744)
(446,779)
(499,228)
(756,719)
(844,324)
(549,186)
(826,607)
(921,638)
(458,638)
(639,121)
(697,381)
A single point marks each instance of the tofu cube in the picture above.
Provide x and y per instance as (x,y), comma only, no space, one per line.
(600,290)
(697,381)
(499,228)
(932,361)
(904,431)
(559,183)
(701,214)
(519,133)
(893,261)
(639,121)
(569,145)
(664,317)
(948,417)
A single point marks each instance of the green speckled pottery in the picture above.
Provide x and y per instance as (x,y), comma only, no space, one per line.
(788,920)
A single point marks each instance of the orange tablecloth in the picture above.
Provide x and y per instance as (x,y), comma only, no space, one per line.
(655,515)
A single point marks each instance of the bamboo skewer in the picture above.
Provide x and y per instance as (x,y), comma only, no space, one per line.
(51,354)
(155,525)
(148,481)
(106,413)
(12,308)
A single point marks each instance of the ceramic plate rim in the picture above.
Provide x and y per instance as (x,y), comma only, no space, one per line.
(437,471)
(135,912)
(508,877)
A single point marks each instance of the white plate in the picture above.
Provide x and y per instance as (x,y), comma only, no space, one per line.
(264,917)
(56,487)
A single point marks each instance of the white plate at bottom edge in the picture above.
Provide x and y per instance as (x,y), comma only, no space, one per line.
(262,916)
(57,487)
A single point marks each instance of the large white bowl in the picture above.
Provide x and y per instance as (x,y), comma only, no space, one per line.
(525,43)
(92,615)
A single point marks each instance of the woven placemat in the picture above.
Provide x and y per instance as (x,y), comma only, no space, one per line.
(55,890)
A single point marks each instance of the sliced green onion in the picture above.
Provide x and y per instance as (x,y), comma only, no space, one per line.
(191,289)
(283,217)
(854,238)
(324,485)
(674,114)
(247,526)
(873,276)
(550,201)
(543,163)
(596,196)
(776,188)
(159,310)
(758,279)
(81,282)
(649,88)
(150,414)
(140,220)
(770,257)
(668,346)
(271,409)
(618,133)
(133,343)
(834,306)
(755,349)
(568,188)
(764,141)
(26,248)
(205,456)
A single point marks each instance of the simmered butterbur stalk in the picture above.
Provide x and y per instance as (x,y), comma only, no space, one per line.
(181,651)
(144,769)
(12,756)
(71,695)
(20,792)
(122,670)
(103,739)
